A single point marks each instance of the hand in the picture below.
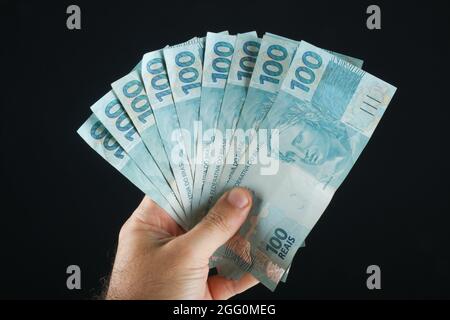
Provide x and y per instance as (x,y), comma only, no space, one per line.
(155,259)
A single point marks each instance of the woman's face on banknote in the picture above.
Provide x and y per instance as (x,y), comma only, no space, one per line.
(310,145)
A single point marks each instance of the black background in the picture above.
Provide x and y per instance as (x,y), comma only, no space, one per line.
(61,204)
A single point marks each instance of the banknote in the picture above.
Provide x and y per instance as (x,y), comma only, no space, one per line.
(232,271)
(241,69)
(193,120)
(242,78)
(133,98)
(184,70)
(219,51)
(274,58)
(113,116)
(325,113)
(240,164)
(253,113)
(98,138)
(159,94)
(352,60)
(228,269)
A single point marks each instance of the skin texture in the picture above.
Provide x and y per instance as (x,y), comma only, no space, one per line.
(155,259)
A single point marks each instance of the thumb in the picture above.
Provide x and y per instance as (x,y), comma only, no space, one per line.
(221,223)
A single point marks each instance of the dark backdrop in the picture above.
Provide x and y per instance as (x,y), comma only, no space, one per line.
(61,204)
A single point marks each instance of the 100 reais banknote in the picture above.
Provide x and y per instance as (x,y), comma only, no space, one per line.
(281,117)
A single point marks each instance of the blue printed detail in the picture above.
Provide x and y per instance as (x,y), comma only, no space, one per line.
(156,61)
(131,94)
(337,86)
(98,131)
(313,140)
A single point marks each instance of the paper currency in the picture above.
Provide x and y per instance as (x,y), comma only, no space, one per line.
(241,70)
(218,55)
(184,69)
(159,94)
(283,118)
(274,58)
(133,98)
(99,139)
(264,86)
(326,111)
(112,115)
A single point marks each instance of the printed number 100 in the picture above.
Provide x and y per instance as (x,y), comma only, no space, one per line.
(305,74)
(187,74)
(272,69)
(221,64)
(276,241)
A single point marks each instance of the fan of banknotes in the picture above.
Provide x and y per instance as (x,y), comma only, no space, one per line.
(283,118)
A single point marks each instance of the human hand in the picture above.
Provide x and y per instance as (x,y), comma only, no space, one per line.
(155,259)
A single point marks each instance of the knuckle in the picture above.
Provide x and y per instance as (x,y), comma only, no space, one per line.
(216,220)
(124,231)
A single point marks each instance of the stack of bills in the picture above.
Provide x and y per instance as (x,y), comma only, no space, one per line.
(283,118)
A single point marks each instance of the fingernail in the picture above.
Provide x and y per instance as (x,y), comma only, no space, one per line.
(238,198)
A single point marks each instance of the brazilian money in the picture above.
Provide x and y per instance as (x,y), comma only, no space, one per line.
(283,118)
